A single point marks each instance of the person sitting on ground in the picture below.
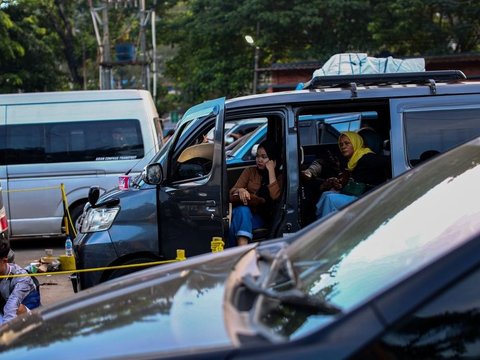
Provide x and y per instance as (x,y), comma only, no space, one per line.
(364,170)
(18,295)
(254,193)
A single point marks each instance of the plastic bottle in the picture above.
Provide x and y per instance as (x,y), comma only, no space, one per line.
(68,247)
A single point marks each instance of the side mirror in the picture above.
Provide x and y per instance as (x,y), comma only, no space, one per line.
(93,195)
(153,174)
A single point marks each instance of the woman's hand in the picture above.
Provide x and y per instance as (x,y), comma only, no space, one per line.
(244,195)
(270,165)
(22,309)
(332,183)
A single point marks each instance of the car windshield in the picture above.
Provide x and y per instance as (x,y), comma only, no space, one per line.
(376,242)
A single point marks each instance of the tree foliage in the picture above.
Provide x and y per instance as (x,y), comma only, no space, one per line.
(213,58)
(45,59)
(426,27)
(51,45)
(10,50)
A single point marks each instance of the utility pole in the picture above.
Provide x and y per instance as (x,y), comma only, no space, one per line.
(254,42)
(143,46)
(255,70)
(103,42)
(107,59)
(154,53)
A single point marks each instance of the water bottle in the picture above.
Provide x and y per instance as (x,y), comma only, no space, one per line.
(68,247)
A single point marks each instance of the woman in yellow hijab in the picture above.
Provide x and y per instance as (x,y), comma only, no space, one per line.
(364,171)
(351,146)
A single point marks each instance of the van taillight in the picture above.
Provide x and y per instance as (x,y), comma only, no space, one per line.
(3,220)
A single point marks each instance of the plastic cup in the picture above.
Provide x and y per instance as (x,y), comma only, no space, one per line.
(124,182)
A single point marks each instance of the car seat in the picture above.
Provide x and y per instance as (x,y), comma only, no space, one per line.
(372,139)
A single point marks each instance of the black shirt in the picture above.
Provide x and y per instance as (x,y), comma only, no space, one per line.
(371,169)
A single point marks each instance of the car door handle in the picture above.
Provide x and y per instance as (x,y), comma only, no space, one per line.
(201,202)
(211,203)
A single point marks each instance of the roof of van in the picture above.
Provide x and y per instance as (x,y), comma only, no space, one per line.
(69,96)
(375,87)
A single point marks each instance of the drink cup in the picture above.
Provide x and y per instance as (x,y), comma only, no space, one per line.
(124,182)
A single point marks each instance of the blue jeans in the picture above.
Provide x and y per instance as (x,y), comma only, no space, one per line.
(331,201)
(243,224)
(32,300)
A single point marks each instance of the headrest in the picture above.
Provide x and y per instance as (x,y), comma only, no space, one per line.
(371,139)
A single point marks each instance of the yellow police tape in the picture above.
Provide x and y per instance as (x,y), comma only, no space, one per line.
(68,219)
(180,257)
(91,269)
(217,243)
(33,189)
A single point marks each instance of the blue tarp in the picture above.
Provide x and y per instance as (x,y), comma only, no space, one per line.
(361,63)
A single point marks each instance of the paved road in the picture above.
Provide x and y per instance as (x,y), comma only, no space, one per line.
(53,287)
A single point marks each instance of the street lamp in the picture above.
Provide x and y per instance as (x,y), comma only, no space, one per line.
(251,42)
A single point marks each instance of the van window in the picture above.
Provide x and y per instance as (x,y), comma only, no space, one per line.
(73,141)
(194,158)
(326,128)
(430,132)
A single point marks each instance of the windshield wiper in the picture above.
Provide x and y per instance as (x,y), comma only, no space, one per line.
(292,297)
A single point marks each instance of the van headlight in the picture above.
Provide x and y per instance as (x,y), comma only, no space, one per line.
(99,219)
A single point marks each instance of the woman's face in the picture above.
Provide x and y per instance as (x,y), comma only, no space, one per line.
(346,146)
(261,158)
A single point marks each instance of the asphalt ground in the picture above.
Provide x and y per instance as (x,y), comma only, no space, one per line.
(53,287)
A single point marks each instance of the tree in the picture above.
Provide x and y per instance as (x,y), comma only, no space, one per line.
(69,24)
(38,65)
(10,50)
(214,60)
(212,55)
(50,44)
(432,27)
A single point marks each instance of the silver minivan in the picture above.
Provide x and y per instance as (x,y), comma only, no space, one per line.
(71,140)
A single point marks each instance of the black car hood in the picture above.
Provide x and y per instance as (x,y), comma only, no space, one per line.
(167,310)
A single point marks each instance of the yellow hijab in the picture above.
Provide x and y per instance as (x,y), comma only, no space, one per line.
(358,148)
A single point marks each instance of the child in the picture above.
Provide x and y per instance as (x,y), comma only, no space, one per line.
(17,294)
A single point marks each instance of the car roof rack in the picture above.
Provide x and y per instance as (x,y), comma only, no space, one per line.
(425,77)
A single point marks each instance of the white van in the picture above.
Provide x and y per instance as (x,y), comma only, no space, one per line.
(78,139)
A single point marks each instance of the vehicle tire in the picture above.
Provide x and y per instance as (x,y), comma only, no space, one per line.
(75,214)
(122,272)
